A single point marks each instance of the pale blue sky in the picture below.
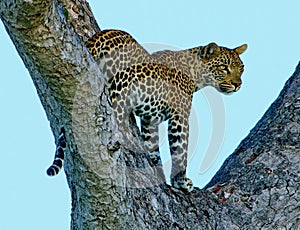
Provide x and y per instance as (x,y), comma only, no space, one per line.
(31,200)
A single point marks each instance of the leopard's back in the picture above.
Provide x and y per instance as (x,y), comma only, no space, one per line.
(116,50)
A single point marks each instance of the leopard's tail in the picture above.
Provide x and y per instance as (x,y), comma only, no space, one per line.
(57,164)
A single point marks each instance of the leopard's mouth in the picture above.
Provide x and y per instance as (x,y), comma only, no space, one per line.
(227,88)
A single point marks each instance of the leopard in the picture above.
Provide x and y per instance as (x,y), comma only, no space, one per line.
(159,87)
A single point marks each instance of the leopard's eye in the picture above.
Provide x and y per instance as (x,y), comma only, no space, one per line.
(224,68)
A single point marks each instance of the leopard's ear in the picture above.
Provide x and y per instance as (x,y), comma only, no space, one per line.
(241,49)
(209,51)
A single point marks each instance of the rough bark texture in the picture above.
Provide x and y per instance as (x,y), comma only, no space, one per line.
(114,188)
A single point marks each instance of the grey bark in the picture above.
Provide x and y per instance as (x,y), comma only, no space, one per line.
(114,188)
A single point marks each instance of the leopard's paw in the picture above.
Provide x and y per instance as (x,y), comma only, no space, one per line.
(183,183)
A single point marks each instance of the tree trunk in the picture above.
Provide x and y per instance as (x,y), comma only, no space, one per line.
(112,187)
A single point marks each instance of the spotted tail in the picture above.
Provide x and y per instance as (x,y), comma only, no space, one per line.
(56,166)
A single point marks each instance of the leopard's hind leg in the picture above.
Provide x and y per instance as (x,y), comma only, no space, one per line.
(150,135)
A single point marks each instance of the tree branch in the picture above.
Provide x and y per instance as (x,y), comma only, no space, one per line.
(259,183)
(112,187)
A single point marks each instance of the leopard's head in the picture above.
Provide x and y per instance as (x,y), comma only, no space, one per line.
(224,65)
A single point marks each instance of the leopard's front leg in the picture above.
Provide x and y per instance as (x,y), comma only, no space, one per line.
(178,133)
